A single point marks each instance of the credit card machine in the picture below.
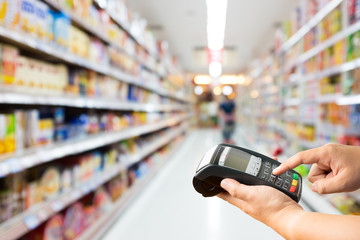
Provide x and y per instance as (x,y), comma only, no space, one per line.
(245,166)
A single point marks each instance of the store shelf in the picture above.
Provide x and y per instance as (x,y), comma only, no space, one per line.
(309,25)
(258,71)
(316,201)
(86,26)
(97,230)
(324,45)
(348,100)
(33,157)
(41,47)
(116,19)
(30,219)
(329,98)
(292,102)
(7,97)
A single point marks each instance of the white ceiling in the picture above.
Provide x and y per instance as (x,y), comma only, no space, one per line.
(249,28)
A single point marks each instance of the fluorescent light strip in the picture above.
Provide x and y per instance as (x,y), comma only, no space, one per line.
(216,21)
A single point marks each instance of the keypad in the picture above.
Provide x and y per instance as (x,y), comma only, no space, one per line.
(291,181)
(263,176)
(286,184)
(288,181)
(272,178)
(279,181)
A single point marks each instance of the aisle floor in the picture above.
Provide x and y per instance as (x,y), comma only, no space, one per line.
(170,209)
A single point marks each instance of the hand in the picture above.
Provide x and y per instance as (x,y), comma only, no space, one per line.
(335,167)
(263,203)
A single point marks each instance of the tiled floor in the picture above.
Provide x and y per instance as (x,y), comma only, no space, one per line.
(170,209)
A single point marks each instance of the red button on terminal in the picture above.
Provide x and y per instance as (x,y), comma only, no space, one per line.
(292,189)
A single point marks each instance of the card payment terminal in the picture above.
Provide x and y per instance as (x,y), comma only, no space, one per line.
(245,166)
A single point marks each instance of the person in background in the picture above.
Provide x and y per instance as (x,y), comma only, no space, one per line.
(335,169)
(227,116)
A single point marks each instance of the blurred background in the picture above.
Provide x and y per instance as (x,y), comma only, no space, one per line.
(107,107)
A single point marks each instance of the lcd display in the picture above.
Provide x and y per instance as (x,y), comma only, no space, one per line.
(237,159)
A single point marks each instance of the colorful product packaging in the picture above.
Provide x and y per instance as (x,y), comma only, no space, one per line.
(28,16)
(32,128)
(9,59)
(41,18)
(13,11)
(10,133)
(61,28)
(74,221)
(50,183)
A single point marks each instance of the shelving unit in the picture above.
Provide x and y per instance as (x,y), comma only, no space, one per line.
(103,224)
(303,81)
(30,219)
(85,102)
(32,157)
(166,101)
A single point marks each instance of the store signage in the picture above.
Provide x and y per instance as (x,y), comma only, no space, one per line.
(214,55)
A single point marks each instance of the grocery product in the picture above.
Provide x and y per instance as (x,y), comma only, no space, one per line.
(61,30)
(9,58)
(50,183)
(13,11)
(51,230)
(28,16)
(102,202)
(73,221)
(11,198)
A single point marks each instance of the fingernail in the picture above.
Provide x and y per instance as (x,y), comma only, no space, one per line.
(275,170)
(225,184)
(313,187)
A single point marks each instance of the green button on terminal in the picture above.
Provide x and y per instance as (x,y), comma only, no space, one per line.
(295,176)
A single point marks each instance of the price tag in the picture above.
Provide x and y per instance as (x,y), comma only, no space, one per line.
(85,189)
(14,166)
(43,215)
(4,169)
(44,156)
(31,221)
(75,195)
(28,161)
(57,206)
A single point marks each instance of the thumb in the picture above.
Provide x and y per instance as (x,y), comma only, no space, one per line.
(326,185)
(235,189)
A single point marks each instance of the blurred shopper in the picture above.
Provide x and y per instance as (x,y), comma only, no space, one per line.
(335,169)
(227,118)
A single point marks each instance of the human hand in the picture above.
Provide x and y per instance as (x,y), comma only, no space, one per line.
(263,203)
(335,167)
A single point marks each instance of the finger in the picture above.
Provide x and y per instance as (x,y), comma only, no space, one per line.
(235,189)
(232,200)
(275,158)
(304,157)
(328,185)
(316,173)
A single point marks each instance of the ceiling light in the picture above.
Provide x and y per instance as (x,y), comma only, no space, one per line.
(215,69)
(227,90)
(198,90)
(216,21)
(268,79)
(232,79)
(232,96)
(242,79)
(217,90)
(203,79)
(254,94)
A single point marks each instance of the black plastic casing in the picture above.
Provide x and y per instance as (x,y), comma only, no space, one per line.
(207,179)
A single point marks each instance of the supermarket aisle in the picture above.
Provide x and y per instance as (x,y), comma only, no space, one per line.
(169,208)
